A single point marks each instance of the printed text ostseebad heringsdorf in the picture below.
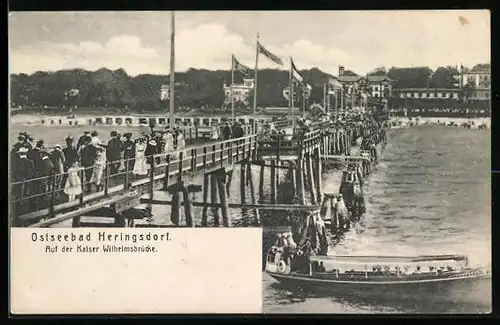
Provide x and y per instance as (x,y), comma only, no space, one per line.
(101,236)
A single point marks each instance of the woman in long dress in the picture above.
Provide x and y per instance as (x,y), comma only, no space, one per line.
(140,167)
(181,142)
(73,186)
(168,139)
(99,166)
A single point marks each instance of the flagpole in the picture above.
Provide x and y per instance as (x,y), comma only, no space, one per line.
(290,90)
(232,85)
(324,96)
(292,99)
(255,84)
(172,72)
(303,99)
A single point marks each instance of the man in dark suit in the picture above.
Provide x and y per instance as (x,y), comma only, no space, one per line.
(114,152)
(129,151)
(82,139)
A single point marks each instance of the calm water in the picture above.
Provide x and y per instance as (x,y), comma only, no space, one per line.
(431,194)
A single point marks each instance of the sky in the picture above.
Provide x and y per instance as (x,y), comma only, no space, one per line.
(139,42)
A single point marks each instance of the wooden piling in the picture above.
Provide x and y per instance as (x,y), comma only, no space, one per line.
(221,184)
(261,182)
(204,214)
(243,168)
(175,209)
(252,193)
(319,181)
(293,179)
(167,172)
(310,177)
(151,178)
(274,191)
(76,222)
(213,198)
(188,207)
(334,219)
(300,181)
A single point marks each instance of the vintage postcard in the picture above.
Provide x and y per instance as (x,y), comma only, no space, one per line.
(250,162)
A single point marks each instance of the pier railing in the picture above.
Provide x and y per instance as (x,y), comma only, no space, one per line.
(285,146)
(40,197)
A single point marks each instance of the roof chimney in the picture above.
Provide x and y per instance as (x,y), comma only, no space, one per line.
(341,70)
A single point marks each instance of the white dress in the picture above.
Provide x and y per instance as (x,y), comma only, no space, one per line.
(73,184)
(140,167)
(181,143)
(169,142)
(99,166)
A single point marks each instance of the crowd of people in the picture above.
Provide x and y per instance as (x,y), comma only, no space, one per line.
(44,169)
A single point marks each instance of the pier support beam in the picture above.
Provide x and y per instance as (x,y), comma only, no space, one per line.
(300,181)
(213,198)
(204,214)
(273,182)
(318,168)
(261,182)
(252,193)
(310,178)
(222,179)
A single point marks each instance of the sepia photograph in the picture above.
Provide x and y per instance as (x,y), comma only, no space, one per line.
(357,141)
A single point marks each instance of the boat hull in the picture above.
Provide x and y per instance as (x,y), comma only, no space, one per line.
(460,289)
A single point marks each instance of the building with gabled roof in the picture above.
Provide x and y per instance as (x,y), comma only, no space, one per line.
(375,86)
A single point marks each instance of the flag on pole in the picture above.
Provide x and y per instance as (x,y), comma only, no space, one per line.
(240,67)
(262,50)
(295,74)
(307,91)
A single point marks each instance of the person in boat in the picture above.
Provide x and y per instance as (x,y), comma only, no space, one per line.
(99,166)
(82,139)
(113,152)
(58,161)
(290,242)
(129,151)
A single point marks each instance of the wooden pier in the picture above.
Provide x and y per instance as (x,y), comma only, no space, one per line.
(297,158)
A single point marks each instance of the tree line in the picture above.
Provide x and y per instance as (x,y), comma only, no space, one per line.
(195,88)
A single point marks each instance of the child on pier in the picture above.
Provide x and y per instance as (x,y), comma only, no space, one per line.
(73,186)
